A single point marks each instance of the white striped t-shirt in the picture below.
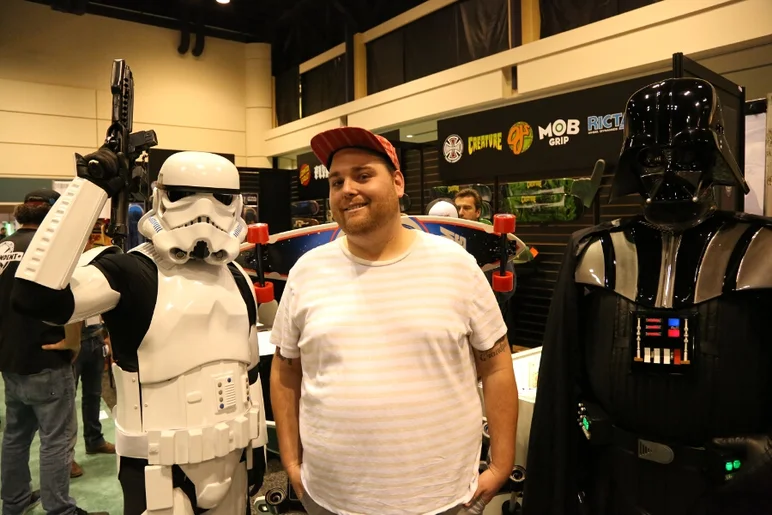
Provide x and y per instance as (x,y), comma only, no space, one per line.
(390,417)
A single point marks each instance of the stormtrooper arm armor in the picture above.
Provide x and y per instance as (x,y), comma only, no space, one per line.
(50,284)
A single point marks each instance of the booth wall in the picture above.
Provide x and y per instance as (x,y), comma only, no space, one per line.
(55,98)
(631,44)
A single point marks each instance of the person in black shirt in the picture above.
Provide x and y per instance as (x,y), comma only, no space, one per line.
(36,364)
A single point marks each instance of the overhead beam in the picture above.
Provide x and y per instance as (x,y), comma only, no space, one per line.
(320,59)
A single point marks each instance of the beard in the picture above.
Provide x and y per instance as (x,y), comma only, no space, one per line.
(377,214)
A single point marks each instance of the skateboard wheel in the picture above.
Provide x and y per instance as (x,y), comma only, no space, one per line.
(258,233)
(264,294)
(518,474)
(502,283)
(504,223)
(275,497)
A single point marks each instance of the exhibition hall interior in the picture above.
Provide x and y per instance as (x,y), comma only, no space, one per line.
(209,208)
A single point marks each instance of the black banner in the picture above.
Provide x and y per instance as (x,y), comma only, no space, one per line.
(533,139)
(313,176)
(563,15)
(274,202)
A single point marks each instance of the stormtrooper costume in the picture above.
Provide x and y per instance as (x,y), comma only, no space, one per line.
(182,315)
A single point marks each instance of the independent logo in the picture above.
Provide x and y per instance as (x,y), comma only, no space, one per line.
(453,148)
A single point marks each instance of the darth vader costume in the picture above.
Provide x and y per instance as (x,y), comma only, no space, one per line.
(655,388)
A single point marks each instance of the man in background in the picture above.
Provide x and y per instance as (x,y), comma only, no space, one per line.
(36,363)
(89,369)
(469,204)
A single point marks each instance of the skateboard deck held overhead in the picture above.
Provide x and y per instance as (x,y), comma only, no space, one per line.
(284,249)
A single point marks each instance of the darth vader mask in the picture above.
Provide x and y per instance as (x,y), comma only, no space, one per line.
(675,151)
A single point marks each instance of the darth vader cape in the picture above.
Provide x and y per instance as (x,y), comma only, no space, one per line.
(551,485)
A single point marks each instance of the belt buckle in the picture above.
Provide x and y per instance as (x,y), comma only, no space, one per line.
(656,452)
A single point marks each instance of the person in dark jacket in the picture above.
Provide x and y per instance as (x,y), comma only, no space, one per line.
(36,364)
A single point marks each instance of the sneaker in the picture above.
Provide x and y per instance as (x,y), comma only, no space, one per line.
(75,470)
(34,500)
(81,511)
(105,448)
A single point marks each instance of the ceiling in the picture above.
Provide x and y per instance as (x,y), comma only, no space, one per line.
(297,29)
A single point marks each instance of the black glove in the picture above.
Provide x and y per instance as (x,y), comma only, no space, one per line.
(104,168)
(755,473)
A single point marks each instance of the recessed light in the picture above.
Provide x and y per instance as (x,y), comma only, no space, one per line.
(409,136)
(223,1)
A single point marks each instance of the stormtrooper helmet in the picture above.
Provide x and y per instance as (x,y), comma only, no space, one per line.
(196,210)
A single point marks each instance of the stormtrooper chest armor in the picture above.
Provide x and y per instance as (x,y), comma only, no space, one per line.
(193,359)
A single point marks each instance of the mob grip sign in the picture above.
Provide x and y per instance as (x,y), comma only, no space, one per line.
(559,131)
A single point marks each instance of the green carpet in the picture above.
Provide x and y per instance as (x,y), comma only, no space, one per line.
(98,488)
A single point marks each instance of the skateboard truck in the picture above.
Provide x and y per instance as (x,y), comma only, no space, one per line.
(503,224)
(258,234)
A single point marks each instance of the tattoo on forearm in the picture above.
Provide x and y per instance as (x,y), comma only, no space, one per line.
(287,360)
(499,347)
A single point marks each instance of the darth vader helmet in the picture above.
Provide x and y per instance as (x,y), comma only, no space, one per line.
(675,151)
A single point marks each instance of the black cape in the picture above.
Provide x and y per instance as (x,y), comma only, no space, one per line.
(553,450)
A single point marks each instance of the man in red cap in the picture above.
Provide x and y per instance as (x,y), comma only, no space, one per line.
(374,389)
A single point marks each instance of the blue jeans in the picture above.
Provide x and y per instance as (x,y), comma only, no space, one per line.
(40,402)
(89,368)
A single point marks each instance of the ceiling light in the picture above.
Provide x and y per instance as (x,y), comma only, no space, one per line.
(223,1)
(409,136)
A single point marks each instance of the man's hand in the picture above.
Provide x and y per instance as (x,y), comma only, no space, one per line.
(109,348)
(71,342)
(65,345)
(293,472)
(286,380)
(494,367)
(488,484)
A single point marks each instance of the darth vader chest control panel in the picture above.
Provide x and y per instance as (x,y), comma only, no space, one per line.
(663,342)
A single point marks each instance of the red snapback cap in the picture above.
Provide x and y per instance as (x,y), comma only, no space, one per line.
(326,143)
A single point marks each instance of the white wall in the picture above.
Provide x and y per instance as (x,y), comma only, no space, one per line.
(55,98)
(631,44)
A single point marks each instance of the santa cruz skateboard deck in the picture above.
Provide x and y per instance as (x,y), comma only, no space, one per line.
(281,251)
